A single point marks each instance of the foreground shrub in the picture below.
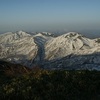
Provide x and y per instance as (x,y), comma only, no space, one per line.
(52,85)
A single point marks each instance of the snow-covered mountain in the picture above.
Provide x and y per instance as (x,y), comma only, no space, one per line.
(65,51)
(72,51)
(17,47)
(21,47)
(70,43)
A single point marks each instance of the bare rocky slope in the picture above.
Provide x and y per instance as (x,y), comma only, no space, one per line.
(67,51)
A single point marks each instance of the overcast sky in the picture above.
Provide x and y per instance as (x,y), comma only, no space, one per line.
(49,15)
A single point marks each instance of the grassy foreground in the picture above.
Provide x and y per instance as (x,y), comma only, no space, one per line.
(51,85)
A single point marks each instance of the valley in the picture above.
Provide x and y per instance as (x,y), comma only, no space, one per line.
(67,51)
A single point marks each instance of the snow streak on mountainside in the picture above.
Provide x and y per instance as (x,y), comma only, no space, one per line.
(40,39)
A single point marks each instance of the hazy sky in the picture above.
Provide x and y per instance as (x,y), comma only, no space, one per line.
(49,15)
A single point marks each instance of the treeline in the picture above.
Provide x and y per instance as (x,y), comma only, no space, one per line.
(51,85)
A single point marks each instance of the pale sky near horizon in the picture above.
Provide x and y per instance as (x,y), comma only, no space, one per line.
(49,15)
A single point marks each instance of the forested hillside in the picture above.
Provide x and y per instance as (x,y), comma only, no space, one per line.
(51,85)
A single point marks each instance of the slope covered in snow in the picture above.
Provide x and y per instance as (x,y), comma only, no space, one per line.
(9,36)
(17,47)
(70,43)
(21,47)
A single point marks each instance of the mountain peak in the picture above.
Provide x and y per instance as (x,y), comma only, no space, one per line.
(47,33)
(72,34)
(22,33)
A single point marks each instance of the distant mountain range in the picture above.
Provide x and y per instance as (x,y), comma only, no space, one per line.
(68,51)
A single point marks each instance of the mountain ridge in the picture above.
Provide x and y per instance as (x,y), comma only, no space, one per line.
(27,49)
